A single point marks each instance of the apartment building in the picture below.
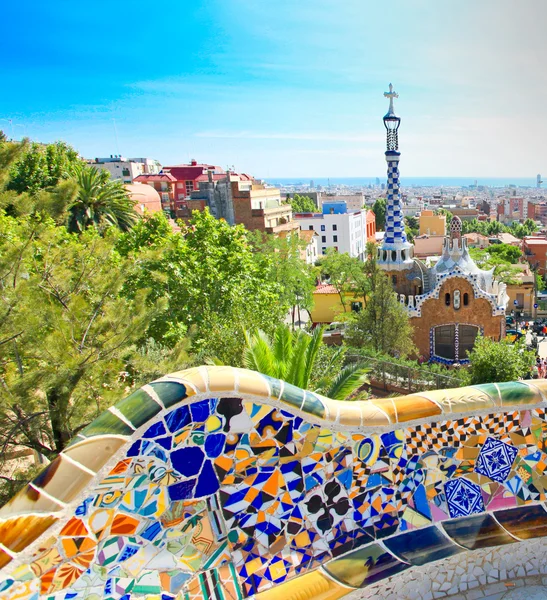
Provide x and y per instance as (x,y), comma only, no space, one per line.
(337,228)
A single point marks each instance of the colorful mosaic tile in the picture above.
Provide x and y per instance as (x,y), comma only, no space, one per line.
(227,495)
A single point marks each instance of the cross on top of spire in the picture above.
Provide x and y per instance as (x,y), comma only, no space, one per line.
(391,94)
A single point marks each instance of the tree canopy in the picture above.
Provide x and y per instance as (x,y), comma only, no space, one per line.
(499,361)
(379,210)
(42,167)
(303,204)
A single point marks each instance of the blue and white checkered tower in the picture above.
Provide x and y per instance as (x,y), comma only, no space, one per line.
(395,253)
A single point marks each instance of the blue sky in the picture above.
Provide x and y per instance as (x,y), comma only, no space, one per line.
(283,87)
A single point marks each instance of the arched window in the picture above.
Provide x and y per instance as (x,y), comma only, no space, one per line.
(403,255)
(466,299)
(447,299)
(394,279)
(385,255)
(394,255)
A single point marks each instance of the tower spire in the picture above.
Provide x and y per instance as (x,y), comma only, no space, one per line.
(396,252)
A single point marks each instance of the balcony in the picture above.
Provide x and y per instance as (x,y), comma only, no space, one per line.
(276,211)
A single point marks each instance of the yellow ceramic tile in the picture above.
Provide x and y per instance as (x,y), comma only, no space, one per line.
(466,399)
(350,413)
(222,379)
(252,383)
(29,500)
(195,377)
(68,480)
(95,452)
(372,415)
(311,586)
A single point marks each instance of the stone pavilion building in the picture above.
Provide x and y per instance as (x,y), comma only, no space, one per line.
(450,303)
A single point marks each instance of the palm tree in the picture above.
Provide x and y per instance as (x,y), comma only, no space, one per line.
(99,202)
(291,356)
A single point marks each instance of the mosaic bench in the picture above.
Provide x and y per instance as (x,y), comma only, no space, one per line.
(220,483)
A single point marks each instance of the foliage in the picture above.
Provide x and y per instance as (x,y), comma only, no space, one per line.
(214,283)
(66,333)
(493,361)
(42,167)
(383,324)
(295,278)
(379,210)
(491,228)
(344,273)
(303,204)
(502,258)
(291,356)
(412,228)
(100,202)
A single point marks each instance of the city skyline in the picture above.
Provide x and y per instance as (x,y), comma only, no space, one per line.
(284,91)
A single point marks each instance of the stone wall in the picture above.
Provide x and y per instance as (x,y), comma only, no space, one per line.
(435,312)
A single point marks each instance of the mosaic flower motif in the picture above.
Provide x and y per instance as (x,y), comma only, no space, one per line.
(495,460)
(464,497)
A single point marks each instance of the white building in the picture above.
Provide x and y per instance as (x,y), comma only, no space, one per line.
(126,169)
(343,231)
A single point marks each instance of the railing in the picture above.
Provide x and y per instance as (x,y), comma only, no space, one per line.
(389,375)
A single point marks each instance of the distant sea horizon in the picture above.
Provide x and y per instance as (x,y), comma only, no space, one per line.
(407,181)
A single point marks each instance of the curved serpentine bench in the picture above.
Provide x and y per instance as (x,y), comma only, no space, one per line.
(222,483)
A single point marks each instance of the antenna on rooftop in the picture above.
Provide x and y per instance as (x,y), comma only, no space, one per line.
(116,134)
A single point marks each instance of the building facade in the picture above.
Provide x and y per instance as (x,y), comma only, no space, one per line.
(126,169)
(164,184)
(535,253)
(450,303)
(338,229)
(432,224)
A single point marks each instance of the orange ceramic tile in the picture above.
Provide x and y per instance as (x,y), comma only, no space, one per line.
(95,452)
(17,533)
(124,525)
(410,408)
(75,546)
(5,558)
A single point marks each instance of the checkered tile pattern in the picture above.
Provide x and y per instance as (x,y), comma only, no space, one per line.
(395,225)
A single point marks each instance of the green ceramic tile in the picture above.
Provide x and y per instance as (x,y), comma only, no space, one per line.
(292,395)
(138,408)
(313,405)
(170,393)
(514,392)
(275,385)
(106,423)
(490,389)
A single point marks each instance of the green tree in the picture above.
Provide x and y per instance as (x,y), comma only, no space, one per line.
(503,258)
(42,166)
(379,210)
(303,204)
(295,278)
(214,281)
(67,335)
(493,361)
(291,356)
(344,273)
(100,202)
(383,324)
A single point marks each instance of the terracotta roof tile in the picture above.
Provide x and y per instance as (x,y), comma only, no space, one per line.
(325,288)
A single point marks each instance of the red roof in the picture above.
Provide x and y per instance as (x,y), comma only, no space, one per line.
(191,172)
(325,288)
(146,177)
(216,177)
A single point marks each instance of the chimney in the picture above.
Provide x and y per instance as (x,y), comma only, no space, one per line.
(193,162)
